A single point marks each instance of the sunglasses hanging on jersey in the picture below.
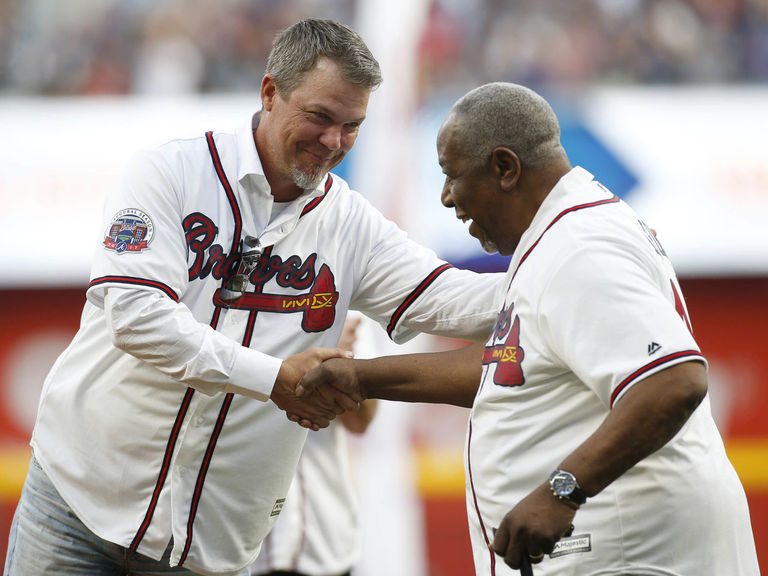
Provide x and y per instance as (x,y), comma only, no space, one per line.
(236,286)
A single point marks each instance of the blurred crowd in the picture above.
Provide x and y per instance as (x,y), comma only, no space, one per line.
(75,47)
(567,42)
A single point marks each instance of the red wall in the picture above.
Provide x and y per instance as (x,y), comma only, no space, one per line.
(729,318)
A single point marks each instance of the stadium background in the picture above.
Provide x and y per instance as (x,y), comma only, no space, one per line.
(666,101)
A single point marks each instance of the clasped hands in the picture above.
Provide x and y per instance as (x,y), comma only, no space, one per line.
(316,385)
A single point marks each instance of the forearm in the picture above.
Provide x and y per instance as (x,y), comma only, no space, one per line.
(166,335)
(441,377)
(644,420)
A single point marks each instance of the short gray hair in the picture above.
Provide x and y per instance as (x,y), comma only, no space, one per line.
(296,49)
(510,116)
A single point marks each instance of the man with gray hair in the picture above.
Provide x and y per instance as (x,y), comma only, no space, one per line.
(589,404)
(226,269)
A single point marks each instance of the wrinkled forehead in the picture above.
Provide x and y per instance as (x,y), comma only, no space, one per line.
(324,90)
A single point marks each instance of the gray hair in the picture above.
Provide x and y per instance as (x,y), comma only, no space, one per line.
(510,116)
(296,49)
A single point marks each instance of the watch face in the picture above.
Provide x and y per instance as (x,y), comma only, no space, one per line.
(563,484)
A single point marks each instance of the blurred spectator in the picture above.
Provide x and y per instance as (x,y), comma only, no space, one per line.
(171,46)
(137,46)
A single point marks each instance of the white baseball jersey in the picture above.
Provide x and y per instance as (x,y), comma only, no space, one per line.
(317,532)
(593,307)
(154,423)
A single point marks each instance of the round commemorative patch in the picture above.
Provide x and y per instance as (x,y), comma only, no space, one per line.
(130,231)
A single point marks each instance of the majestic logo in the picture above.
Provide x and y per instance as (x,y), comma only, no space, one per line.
(505,350)
(317,303)
(572,545)
(278,507)
(131,230)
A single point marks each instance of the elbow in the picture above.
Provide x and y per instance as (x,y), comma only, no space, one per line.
(120,325)
(689,390)
(120,334)
(696,388)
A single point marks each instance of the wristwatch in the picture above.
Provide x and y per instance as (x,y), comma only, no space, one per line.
(565,487)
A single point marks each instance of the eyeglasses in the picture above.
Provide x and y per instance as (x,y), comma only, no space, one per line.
(238,284)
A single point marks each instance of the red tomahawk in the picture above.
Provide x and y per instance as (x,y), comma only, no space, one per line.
(318,305)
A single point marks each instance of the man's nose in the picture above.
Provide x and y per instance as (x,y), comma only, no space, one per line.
(445,197)
(331,137)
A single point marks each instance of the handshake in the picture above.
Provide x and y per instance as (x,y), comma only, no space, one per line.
(316,385)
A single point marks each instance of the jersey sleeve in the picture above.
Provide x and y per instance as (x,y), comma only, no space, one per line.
(142,265)
(408,289)
(143,242)
(153,328)
(614,319)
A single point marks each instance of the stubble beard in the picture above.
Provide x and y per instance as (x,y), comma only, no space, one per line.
(307,180)
(489,247)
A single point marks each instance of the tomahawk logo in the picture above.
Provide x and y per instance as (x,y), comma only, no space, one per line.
(505,350)
(318,306)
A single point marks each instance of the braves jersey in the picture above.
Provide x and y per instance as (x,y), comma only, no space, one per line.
(154,424)
(317,532)
(592,308)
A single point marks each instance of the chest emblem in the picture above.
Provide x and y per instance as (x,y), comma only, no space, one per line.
(504,350)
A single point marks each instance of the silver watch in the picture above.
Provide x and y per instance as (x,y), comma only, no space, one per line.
(565,487)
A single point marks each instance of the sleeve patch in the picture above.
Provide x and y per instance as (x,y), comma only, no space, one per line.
(130,231)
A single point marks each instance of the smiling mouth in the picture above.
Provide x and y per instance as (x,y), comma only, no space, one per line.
(321,160)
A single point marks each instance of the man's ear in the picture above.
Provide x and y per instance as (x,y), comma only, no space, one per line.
(268,92)
(506,166)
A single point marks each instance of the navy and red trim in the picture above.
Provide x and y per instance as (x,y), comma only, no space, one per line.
(203,473)
(612,200)
(234,250)
(491,553)
(312,204)
(415,294)
(133,281)
(233,255)
(254,313)
(691,354)
(185,403)
(164,468)
(230,193)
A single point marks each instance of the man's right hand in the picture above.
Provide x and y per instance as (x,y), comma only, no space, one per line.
(315,408)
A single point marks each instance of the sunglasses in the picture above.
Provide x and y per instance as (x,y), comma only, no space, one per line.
(236,285)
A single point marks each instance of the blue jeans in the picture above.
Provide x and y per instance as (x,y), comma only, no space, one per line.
(47,538)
